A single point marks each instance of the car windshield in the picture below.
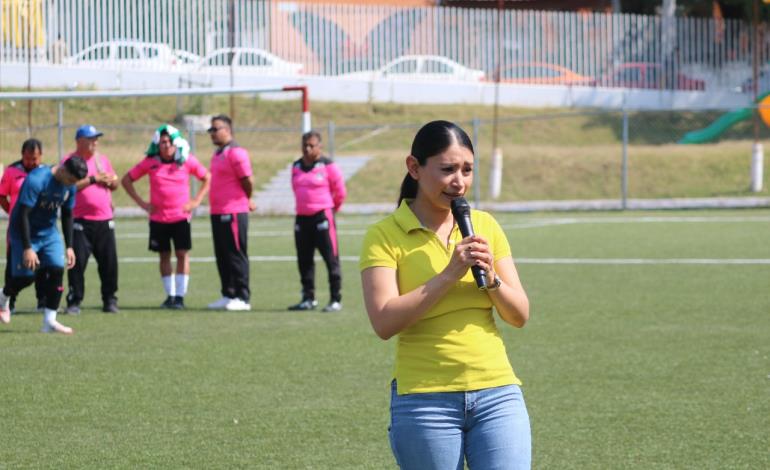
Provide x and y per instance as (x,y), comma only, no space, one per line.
(97,53)
(435,66)
(252,59)
(127,52)
(405,66)
(629,75)
(219,59)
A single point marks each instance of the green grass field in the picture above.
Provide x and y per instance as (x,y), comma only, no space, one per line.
(647,348)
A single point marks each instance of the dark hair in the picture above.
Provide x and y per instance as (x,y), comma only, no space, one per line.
(30,145)
(310,134)
(224,118)
(77,167)
(432,139)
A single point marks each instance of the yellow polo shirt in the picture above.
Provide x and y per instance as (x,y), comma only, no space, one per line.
(455,346)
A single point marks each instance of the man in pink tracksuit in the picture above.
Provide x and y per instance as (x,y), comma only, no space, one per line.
(319,191)
(230,203)
(93,224)
(169,165)
(10,186)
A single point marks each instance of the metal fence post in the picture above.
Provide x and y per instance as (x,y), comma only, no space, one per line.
(330,138)
(190,127)
(476,163)
(757,165)
(60,129)
(624,163)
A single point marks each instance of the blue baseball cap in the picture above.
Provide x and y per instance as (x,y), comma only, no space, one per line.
(88,131)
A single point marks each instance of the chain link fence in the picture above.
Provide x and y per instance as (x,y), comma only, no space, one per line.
(548,155)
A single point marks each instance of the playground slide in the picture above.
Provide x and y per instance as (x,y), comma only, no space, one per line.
(716,128)
(723,122)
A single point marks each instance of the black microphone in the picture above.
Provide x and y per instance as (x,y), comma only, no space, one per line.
(462,214)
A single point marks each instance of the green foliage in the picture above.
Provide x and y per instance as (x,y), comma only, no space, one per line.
(738,9)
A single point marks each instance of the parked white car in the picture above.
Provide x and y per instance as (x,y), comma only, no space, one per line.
(246,61)
(132,54)
(421,68)
(185,58)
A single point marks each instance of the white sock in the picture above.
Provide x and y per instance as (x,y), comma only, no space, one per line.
(168,284)
(4,301)
(49,316)
(181,284)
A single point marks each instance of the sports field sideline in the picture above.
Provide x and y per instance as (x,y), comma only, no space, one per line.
(648,347)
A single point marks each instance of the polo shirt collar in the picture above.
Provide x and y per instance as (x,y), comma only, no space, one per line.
(228,145)
(405,218)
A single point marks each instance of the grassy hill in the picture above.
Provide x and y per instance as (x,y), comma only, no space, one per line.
(548,153)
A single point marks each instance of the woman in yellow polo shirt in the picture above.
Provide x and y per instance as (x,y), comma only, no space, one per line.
(454,395)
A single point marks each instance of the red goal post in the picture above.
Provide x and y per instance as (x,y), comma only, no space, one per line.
(60,97)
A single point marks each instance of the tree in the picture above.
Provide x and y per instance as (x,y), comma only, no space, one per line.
(738,9)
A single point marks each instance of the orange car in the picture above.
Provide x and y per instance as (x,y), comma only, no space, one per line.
(544,74)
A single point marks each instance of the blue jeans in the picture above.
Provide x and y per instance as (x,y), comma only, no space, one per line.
(489,428)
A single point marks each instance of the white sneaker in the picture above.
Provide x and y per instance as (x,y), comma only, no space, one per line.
(236,305)
(333,306)
(220,304)
(56,327)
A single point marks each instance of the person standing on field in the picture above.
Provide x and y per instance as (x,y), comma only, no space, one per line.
(454,397)
(230,203)
(319,191)
(170,164)
(94,227)
(10,186)
(36,245)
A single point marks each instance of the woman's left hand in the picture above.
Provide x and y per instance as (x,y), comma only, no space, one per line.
(477,249)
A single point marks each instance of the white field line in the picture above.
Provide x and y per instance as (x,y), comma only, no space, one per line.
(532,223)
(574,261)
(252,234)
(638,261)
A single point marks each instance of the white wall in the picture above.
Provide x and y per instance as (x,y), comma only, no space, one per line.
(358,91)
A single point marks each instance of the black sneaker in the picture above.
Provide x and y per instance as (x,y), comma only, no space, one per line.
(73,309)
(306,304)
(178,303)
(111,306)
(168,303)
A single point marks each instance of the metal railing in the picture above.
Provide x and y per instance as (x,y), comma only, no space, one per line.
(533,46)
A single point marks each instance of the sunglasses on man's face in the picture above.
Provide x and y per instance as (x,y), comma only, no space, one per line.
(213,129)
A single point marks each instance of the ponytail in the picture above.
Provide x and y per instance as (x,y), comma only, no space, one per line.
(408,188)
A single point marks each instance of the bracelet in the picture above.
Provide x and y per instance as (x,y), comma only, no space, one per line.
(496,284)
(92,179)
